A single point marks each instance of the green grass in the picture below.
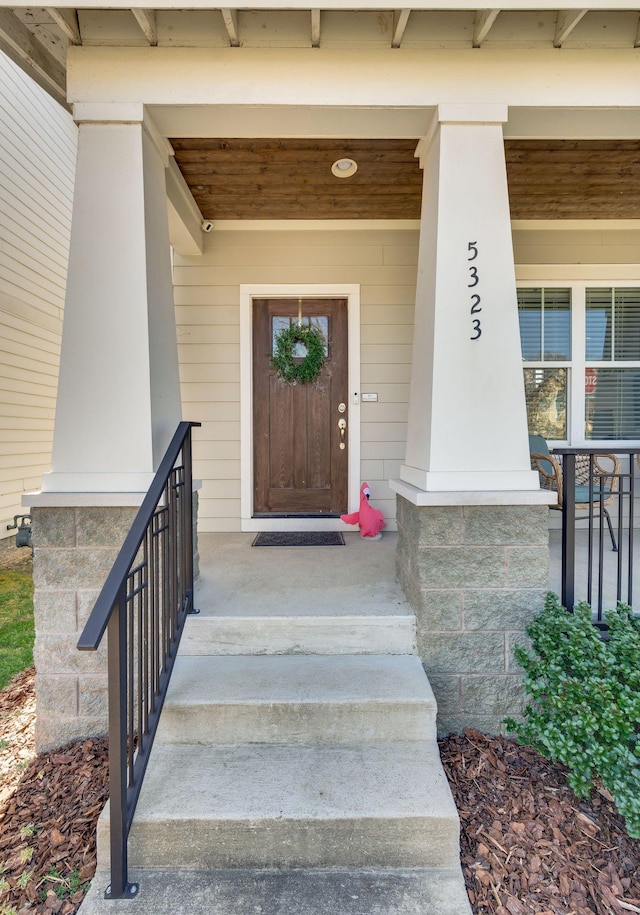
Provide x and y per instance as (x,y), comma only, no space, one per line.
(16,622)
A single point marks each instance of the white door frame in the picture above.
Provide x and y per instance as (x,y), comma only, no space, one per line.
(350,292)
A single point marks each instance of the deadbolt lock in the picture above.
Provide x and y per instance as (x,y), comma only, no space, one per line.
(342,408)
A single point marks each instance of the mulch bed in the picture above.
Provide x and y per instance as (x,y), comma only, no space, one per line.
(48,821)
(528,844)
(529,847)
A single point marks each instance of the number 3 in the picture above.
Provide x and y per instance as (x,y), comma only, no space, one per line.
(474,276)
(478,331)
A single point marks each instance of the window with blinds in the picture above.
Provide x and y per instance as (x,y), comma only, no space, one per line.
(612,392)
(545,324)
(545,338)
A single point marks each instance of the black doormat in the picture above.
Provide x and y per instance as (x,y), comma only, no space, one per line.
(299,538)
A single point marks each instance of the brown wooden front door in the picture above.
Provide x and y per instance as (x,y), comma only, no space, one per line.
(299,466)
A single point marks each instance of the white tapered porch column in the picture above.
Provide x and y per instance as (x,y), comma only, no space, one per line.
(118,404)
(119,393)
(472,523)
(467,420)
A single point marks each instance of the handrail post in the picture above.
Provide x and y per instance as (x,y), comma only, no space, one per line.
(119,887)
(568,529)
(187,460)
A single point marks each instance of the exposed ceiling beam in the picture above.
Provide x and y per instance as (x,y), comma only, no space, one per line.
(483,23)
(315,28)
(230,18)
(146,19)
(400,19)
(25,50)
(565,24)
(67,22)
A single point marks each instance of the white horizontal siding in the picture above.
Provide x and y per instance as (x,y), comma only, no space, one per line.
(37,165)
(576,246)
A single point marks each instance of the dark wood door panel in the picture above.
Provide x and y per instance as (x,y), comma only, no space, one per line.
(299,467)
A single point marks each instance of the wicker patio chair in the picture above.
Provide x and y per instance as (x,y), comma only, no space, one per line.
(550,472)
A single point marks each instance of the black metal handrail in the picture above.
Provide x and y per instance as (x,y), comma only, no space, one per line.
(600,561)
(143,606)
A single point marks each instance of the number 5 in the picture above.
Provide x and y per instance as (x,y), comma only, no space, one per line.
(473,249)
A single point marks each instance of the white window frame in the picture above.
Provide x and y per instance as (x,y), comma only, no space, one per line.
(578,363)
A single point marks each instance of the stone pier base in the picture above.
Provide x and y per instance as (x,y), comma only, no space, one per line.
(475,576)
(74,549)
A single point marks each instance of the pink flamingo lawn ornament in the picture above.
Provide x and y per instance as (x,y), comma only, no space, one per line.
(370,519)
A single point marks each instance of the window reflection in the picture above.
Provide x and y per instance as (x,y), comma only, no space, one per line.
(320,322)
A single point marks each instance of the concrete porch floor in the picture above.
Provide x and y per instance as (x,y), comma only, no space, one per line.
(358,577)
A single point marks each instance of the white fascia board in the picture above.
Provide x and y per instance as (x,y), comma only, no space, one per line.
(396,123)
(563,225)
(375,79)
(291,121)
(354,5)
(185,219)
(573,123)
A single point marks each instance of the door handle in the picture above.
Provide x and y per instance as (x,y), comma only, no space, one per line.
(342,425)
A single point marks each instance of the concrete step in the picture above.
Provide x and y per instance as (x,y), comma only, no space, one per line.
(317,633)
(299,892)
(349,806)
(292,699)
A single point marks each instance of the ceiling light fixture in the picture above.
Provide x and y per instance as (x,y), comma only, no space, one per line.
(344,168)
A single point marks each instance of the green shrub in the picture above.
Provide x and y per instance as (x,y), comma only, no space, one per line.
(585,692)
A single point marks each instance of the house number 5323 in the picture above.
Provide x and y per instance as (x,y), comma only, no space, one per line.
(473,284)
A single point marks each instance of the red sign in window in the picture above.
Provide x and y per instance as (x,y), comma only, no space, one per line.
(590,381)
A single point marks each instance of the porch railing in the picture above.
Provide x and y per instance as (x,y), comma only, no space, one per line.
(599,570)
(143,606)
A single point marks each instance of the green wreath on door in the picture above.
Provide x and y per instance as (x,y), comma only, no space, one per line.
(290,369)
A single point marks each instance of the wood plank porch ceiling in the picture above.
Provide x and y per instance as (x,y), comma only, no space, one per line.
(292,179)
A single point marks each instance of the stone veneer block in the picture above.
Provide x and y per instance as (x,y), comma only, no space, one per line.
(461,567)
(93,697)
(56,527)
(505,524)
(57,694)
(102,527)
(461,652)
(510,608)
(75,550)
(443,609)
(528,566)
(72,568)
(442,526)
(56,653)
(55,611)
(473,597)
(447,692)
(55,730)
(86,600)
(491,695)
